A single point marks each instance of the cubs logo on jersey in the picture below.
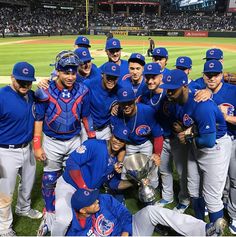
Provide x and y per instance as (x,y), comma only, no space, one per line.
(103,227)
(187,120)
(81,149)
(143,130)
(230,108)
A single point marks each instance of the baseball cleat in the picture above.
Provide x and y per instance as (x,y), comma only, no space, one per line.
(33,214)
(217,228)
(180,208)
(11,232)
(163,202)
(232,227)
(43,228)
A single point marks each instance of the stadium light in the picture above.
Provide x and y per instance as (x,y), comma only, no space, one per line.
(67,8)
(49,6)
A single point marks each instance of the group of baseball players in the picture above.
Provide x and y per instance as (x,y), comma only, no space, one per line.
(85,120)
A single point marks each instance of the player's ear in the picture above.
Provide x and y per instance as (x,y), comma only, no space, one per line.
(82,210)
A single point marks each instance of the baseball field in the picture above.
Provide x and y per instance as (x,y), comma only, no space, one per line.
(41,52)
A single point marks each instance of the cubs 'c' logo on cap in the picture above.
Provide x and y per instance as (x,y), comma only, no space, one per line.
(113,68)
(158,50)
(149,67)
(183,81)
(168,78)
(25,71)
(125,93)
(211,65)
(181,60)
(114,43)
(84,39)
(125,132)
(86,193)
(211,52)
(84,53)
(138,56)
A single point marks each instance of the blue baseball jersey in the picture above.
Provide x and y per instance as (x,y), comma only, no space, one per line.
(227,96)
(16,117)
(205,115)
(124,69)
(63,110)
(112,219)
(138,89)
(93,161)
(101,102)
(143,125)
(198,84)
(93,74)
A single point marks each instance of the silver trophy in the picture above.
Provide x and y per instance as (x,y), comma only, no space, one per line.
(138,167)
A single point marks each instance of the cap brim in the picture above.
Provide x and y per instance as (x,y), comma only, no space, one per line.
(94,196)
(114,48)
(169,86)
(212,71)
(24,78)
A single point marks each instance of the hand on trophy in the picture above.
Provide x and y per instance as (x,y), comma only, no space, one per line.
(157,159)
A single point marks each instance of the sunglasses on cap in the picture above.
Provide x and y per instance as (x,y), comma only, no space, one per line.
(157,58)
(112,51)
(22,83)
(211,74)
(111,78)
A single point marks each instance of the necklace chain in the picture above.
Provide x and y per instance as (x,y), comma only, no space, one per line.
(135,121)
(157,100)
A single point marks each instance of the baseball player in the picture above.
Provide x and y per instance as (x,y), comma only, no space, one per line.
(172,150)
(16,156)
(86,69)
(82,41)
(160,55)
(113,50)
(135,78)
(89,166)
(103,97)
(101,215)
(58,114)
(223,95)
(141,121)
(151,47)
(208,158)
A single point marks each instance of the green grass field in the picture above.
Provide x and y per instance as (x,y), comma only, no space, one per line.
(41,55)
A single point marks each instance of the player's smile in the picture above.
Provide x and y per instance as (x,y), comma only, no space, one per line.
(85,68)
(116,144)
(114,55)
(153,81)
(109,81)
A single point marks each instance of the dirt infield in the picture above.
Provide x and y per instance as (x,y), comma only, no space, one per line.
(228,47)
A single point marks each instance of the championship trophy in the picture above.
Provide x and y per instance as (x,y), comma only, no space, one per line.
(138,167)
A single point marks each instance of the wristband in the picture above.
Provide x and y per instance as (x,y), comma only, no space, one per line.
(37,142)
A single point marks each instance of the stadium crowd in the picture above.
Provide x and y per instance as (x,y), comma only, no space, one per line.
(57,21)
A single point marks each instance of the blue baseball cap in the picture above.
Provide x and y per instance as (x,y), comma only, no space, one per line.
(82,41)
(121,132)
(138,58)
(152,69)
(83,54)
(111,69)
(24,71)
(161,52)
(125,94)
(214,53)
(174,80)
(113,44)
(84,198)
(185,62)
(213,66)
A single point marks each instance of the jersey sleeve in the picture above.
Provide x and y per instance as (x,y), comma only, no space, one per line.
(40,110)
(121,212)
(205,118)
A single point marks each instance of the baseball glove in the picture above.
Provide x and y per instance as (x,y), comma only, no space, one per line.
(230,77)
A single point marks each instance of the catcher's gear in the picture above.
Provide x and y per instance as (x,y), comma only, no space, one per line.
(230,77)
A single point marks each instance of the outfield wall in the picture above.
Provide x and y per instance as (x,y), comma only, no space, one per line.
(142,32)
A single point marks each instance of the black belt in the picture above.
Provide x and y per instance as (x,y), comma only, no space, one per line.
(100,128)
(14,146)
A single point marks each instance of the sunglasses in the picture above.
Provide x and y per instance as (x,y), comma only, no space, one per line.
(211,74)
(22,83)
(158,58)
(128,103)
(112,51)
(111,78)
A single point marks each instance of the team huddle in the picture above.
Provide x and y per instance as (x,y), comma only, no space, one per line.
(85,120)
